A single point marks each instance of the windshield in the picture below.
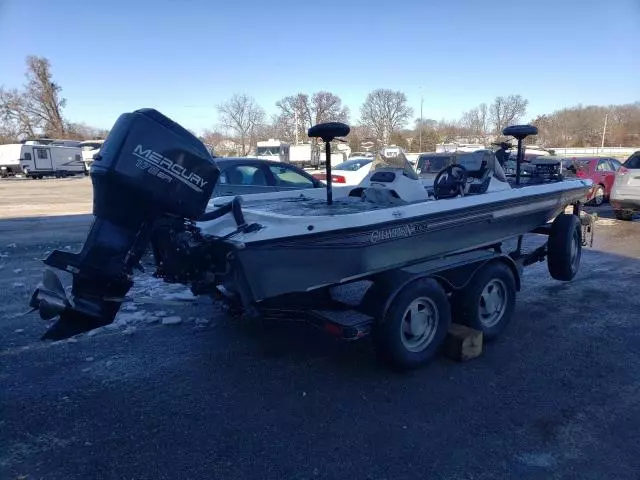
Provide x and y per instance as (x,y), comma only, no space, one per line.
(397,161)
(268,151)
(433,163)
(352,165)
(633,161)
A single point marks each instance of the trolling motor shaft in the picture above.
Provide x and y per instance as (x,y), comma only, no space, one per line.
(148,167)
(327,132)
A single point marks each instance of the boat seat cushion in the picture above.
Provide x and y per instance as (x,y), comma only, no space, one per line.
(480,187)
(381,196)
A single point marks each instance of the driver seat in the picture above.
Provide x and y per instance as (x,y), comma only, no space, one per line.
(479,166)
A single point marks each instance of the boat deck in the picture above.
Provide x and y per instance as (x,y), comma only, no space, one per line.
(304,206)
(307,206)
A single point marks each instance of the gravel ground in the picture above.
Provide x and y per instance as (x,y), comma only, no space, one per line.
(177,390)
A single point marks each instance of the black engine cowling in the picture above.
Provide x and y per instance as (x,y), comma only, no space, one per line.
(148,168)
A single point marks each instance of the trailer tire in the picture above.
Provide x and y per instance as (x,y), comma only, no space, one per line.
(487,302)
(625,215)
(406,345)
(598,196)
(564,247)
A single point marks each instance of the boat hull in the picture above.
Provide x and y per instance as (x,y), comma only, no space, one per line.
(275,267)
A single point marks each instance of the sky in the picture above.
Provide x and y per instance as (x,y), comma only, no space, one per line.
(184,57)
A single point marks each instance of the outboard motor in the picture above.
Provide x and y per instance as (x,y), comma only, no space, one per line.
(148,168)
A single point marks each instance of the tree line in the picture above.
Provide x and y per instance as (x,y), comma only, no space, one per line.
(384,118)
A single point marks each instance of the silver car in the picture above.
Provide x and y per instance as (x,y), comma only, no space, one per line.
(625,193)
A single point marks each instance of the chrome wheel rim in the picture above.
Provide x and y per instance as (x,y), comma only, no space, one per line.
(419,324)
(574,250)
(599,196)
(492,303)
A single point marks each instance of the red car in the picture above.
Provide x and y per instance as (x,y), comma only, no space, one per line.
(601,171)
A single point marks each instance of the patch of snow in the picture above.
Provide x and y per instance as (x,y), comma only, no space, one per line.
(19,330)
(129,330)
(17,270)
(12,245)
(606,222)
(4,255)
(89,359)
(185,295)
(124,319)
(18,284)
(175,320)
(128,307)
(542,460)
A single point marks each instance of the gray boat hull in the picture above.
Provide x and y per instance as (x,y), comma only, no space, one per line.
(271,268)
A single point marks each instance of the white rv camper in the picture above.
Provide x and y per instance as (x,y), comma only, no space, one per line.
(303,155)
(37,160)
(273,149)
(89,149)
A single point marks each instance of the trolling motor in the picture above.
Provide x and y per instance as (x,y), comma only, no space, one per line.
(148,168)
(329,131)
(520,132)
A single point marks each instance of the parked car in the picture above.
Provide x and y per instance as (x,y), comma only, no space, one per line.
(625,194)
(350,172)
(244,176)
(601,171)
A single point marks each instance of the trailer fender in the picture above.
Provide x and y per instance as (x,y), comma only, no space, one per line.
(459,277)
(388,285)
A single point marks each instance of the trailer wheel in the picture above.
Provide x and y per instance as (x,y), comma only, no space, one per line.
(414,325)
(564,247)
(625,215)
(486,303)
(598,196)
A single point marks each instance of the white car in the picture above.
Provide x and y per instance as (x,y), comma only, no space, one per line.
(625,192)
(346,173)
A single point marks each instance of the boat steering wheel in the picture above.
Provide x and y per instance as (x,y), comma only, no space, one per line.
(450,182)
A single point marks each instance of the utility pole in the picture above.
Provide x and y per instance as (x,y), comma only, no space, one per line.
(604,130)
(421,99)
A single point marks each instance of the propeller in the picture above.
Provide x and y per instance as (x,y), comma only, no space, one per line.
(50,298)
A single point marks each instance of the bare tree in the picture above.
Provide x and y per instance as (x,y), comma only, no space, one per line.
(14,115)
(385,112)
(476,121)
(242,115)
(82,131)
(39,106)
(43,96)
(327,107)
(506,111)
(301,111)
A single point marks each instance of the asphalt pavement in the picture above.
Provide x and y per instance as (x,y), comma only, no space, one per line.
(557,396)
